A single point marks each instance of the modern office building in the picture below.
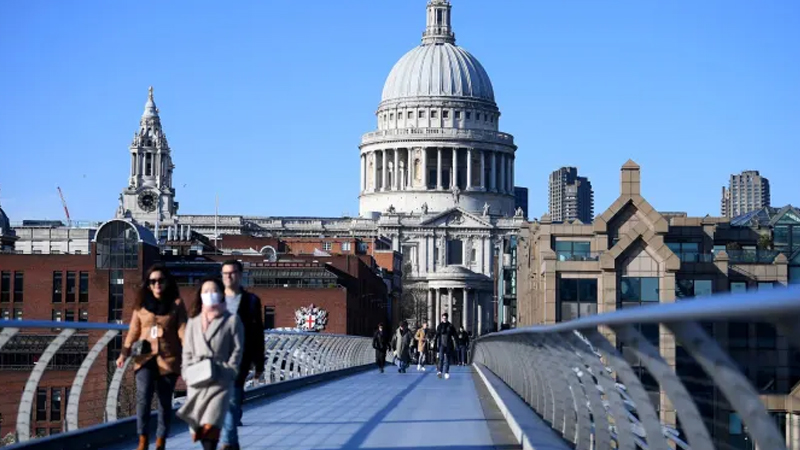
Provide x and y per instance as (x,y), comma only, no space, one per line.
(747,191)
(571,196)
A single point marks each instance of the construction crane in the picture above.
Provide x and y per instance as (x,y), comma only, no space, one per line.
(66,210)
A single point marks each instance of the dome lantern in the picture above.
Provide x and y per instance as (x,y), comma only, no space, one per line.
(438,29)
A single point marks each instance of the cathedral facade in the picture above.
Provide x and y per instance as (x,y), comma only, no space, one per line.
(436,178)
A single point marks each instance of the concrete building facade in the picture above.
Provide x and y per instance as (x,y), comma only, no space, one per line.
(747,191)
(571,196)
(632,255)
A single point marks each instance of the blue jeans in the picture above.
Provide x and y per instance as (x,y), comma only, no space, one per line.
(462,354)
(444,360)
(149,382)
(230,435)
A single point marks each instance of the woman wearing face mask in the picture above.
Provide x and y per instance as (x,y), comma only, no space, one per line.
(154,338)
(214,334)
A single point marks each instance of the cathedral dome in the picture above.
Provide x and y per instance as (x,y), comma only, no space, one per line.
(438,70)
(5,224)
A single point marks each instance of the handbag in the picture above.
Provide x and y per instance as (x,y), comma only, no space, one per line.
(140,348)
(200,374)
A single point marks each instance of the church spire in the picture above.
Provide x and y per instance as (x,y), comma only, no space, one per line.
(438,29)
(150,109)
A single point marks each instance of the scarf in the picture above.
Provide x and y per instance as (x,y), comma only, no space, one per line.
(209,313)
(158,307)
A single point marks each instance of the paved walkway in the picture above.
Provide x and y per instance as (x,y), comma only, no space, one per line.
(375,411)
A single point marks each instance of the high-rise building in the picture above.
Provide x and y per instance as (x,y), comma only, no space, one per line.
(571,196)
(747,191)
(521,200)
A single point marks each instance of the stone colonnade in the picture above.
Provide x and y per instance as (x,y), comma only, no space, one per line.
(467,303)
(401,169)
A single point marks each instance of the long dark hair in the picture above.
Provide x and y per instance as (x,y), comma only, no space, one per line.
(197,304)
(171,291)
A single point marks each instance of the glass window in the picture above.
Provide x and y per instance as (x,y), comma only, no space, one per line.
(41,432)
(638,289)
(56,315)
(738,335)
(573,250)
(445,114)
(84,287)
(458,114)
(703,288)
(433,114)
(345,246)
(55,404)
(19,284)
(468,114)
(83,316)
(41,404)
(69,316)
(766,336)
(794,274)
(781,236)
(57,287)
(269,317)
(455,252)
(5,314)
(5,287)
(115,293)
(735,424)
(71,287)
(577,298)
(117,246)
(738,286)
(765,286)
(422,114)
(327,246)
(54,431)
(17,313)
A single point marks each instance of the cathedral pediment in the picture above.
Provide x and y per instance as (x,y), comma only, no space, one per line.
(456,218)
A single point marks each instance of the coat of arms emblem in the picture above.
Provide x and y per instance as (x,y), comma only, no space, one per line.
(311,318)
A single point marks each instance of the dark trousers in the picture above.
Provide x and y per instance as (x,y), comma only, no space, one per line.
(380,358)
(444,360)
(148,382)
(462,354)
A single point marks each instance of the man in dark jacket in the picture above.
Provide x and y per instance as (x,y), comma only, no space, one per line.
(462,339)
(445,338)
(380,343)
(248,306)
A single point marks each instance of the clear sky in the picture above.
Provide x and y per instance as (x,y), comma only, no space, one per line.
(264,102)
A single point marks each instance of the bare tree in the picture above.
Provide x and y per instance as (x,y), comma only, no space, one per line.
(414,299)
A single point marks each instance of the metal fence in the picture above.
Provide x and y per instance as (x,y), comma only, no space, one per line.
(600,380)
(61,376)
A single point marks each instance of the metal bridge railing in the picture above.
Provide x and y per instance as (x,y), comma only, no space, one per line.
(600,381)
(61,376)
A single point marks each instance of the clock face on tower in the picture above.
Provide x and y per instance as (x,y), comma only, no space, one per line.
(148,201)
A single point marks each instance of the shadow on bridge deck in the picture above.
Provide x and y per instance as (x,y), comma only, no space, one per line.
(374,411)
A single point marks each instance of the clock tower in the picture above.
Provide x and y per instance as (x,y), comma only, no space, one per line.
(149,198)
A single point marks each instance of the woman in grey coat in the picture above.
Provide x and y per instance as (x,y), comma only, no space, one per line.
(211,333)
(401,345)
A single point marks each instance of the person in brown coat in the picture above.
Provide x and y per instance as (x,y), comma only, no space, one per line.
(155,341)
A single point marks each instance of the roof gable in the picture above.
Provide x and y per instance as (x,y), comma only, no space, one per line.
(457,218)
(788,215)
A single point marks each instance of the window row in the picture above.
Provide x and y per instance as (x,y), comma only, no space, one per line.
(77,286)
(11,314)
(56,252)
(434,114)
(69,315)
(51,409)
(344,246)
(6,287)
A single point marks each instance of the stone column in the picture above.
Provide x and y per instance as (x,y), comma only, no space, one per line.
(396,173)
(438,304)
(511,170)
(384,170)
(465,310)
(793,431)
(483,170)
(454,173)
(430,308)
(502,165)
(469,169)
(363,173)
(374,171)
(479,330)
(493,173)
(424,165)
(450,304)
(439,169)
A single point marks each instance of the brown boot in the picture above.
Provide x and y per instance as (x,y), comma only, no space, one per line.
(144,442)
(161,443)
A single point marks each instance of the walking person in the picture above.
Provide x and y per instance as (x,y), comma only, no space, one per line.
(247,306)
(445,336)
(462,339)
(212,355)
(423,341)
(380,342)
(154,340)
(401,345)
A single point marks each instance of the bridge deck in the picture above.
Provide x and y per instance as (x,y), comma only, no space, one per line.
(374,411)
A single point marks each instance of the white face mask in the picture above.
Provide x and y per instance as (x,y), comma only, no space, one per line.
(211,298)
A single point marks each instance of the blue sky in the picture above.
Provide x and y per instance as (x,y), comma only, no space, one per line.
(264,102)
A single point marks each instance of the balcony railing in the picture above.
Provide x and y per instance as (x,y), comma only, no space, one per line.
(752,256)
(577,256)
(598,380)
(69,401)
(402,134)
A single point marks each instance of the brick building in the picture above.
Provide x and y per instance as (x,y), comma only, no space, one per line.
(101,285)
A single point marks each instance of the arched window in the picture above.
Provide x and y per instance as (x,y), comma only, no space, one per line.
(117,244)
(269,253)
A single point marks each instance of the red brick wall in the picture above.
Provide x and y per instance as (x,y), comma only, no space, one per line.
(287,300)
